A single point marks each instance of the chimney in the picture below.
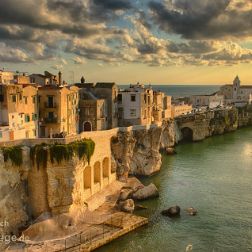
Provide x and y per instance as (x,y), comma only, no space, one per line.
(60,78)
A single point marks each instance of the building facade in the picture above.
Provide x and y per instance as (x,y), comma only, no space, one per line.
(179,109)
(135,106)
(18,112)
(210,101)
(236,94)
(93,112)
(58,111)
(162,106)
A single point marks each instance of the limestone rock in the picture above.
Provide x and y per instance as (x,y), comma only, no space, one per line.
(125,194)
(191,211)
(170,151)
(171,212)
(137,151)
(146,192)
(127,206)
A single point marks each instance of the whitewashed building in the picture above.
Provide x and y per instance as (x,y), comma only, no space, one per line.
(135,105)
(210,101)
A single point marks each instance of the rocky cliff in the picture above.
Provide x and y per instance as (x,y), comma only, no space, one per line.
(137,151)
(13,196)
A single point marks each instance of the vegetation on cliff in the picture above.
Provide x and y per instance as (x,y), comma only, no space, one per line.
(14,154)
(58,152)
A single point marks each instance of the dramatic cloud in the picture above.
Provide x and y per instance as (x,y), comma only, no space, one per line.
(116,32)
(199,19)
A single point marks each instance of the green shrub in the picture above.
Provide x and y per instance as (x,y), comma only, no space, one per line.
(14,154)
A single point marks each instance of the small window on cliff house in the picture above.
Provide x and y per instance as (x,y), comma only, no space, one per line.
(132,112)
(119,98)
(133,98)
(14,98)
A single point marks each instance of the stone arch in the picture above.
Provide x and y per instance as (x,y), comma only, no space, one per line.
(87,126)
(97,172)
(187,134)
(87,177)
(105,167)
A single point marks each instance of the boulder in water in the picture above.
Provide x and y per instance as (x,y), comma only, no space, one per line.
(171,212)
(146,192)
(170,151)
(191,211)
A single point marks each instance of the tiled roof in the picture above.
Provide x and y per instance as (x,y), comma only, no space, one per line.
(105,84)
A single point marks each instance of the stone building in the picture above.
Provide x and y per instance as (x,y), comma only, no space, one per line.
(162,106)
(108,91)
(236,93)
(58,111)
(93,112)
(6,77)
(210,101)
(46,79)
(98,106)
(18,111)
(135,106)
(180,108)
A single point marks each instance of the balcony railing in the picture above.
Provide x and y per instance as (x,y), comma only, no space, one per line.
(50,120)
(49,105)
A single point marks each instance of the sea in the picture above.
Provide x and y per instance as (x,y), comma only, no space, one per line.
(215,177)
(183,90)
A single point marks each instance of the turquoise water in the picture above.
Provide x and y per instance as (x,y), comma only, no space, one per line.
(214,176)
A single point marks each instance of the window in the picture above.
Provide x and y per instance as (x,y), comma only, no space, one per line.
(119,98)
(51,115)
(132,112)
(34,132)
(25,99)
(34,117)
(33,99)
(14,98)
(120,113)
(133,98)
(20,96)
(50,101)
(27,118)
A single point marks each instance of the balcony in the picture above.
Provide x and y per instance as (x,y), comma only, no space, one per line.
(50,105)
(51,120)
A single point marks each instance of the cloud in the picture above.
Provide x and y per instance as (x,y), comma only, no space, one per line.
(203,19)
(8,54)
(207,32)
(79,61)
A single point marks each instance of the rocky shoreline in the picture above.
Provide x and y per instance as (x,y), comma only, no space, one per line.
(139,152)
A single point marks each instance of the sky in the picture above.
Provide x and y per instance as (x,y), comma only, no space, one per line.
(129,41)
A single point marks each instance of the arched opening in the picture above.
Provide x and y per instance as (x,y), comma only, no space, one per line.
(105,166)
(187,134)
(87,178)
(97,172)
(87,126)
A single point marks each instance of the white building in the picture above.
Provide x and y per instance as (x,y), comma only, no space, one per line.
(135,105)
(211,101)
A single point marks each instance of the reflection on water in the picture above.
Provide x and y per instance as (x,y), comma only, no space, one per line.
(213,176)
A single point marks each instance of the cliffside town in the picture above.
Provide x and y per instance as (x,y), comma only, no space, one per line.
(61,145)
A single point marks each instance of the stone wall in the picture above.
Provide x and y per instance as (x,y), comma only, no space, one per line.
(28,191)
